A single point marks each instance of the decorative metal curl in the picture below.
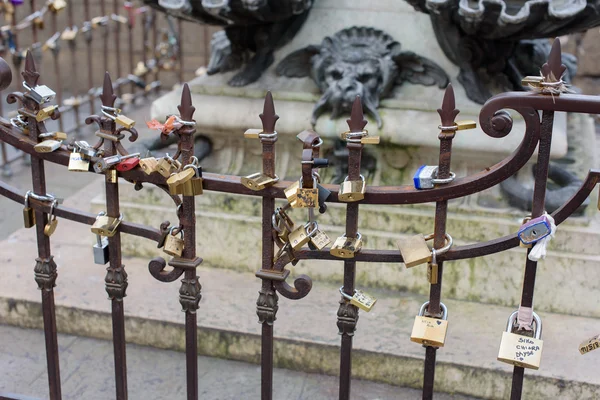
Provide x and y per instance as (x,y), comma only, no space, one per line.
(157,266)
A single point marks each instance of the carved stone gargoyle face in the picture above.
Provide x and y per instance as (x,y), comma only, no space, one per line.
(359,61)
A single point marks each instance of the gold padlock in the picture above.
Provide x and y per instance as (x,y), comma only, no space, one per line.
(149,165)
(258,181)
(320,240)
(299,237)
(345,247)
(415,251)
(535,81)
(192,187)
(433,269)
(45,113)
(166,166)
(588,345)
(105,225)
(430,331)
(361,299)
(50,227)
(174,244)
(292,190)
(57,5)
(352,190)
(252,133)
(28,212)
(47,146)
(464,125)
(307,197)
(69,34)
(124,121)
(78,163)
(521,351)
(369,140)
(176,181)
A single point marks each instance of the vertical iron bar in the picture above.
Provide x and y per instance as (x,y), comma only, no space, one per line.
(59,88)
(117,25)
(145,46)
(180,50)
(86,7)
(538,206)
(155,45)
(130,24)
(74,71)
(104,36)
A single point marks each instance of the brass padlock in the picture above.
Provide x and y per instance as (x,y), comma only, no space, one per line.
(149,165)
(106,226)
(56,5)
(292,191)
(415,251)
(69,34)
(78,163)
(307,197)
(176,180)
(166,166)
(45,113)
(252,133)
(345,247)
(300,236)
(47,146)
(433,269)
(174,244)
(50,227)
(588,345)
(124,121)
(258,181)
(361,299)
(430,331)
(319,240)
(518,350)
(53,135)
(28,212)
(193,187)
(352,190)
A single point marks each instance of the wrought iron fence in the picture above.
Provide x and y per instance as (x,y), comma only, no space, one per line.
(71,38)
(182,179)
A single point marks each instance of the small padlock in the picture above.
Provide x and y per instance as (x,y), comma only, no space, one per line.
(415,251)
(53,135)
(361,299)
(433,269)
(127,165)
(193,187)
(426,177)
(534,230)
(57,5)
(47,146)
(140,69)
(291,193)
(149,165)
(106,226)
(166,166)
(41,93)
(78,163)
(319,240)
(177,179)
(124,121)
(301,236)
(430,331)
(588,345)
(52,221)
(69,34)
(28,212)
(518,350)
(85,149)
(45,113)
(307,197)
(352,190)
(174,244)
(101,250)
(258,181)
(345,247)
(252,133)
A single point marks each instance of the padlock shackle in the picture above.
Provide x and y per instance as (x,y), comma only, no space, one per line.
(448,246)
(344,294)
(536,318)
(442,307)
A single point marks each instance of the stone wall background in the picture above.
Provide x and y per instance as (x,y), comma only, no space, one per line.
(586,47)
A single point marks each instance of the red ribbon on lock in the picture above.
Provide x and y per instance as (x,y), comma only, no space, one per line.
(128,164)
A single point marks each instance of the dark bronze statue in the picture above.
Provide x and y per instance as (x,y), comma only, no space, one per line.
(253,29)
(496,43)
(359,61)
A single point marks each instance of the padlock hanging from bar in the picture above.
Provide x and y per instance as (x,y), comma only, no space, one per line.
(430,331)
(426,177)
(519,350)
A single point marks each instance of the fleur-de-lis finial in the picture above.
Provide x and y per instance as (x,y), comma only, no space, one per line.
(448,111)
(107,97)
(268,116)
(186,109)
(357,121)
(30,74)
(554,69)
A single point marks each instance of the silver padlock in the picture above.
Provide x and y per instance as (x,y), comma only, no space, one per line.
(521,351)
(426,177)
(101,250)
(40,93)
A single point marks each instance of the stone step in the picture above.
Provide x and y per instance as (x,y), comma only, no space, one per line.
(228,226)
(305,330)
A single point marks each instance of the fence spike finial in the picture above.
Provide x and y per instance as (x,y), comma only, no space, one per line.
(554,69)
(448,110)
(268,116)
(30,73)
(108,96)
(186,109)
(357,121)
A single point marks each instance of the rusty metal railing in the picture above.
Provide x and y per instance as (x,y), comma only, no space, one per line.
(494,120)
(51,28)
